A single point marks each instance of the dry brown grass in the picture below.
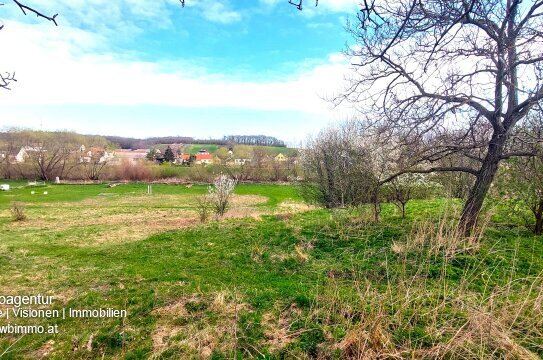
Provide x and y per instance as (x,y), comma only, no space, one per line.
(294,207)
(443,237)
(45,351)
(497,326)
(277,326)
(502,322)
(18,211)
(184,326)
(118,219)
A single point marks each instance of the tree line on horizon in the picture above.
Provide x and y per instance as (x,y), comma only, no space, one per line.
(135,143)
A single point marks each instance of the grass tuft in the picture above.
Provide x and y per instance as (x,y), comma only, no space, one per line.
(18,211)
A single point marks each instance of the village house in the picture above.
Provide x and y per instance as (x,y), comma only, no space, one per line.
(236,161)
(280,157)
(203,157)
(95,153)
(182,159)
(24,153)
(240,162)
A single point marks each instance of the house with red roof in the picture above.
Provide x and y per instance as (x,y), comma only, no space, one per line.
(203,157)
(182,159)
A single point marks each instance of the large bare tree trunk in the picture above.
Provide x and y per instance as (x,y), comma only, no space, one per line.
(490,164)
(484,179)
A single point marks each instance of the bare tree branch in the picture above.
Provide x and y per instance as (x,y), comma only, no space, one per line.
(8,78)
(299,3)
(431,170)
(25,8)
(448,79)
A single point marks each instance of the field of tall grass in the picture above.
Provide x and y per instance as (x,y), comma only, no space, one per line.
(275,280)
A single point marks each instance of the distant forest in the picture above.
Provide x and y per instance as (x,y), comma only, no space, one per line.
(133,143)
(260,140)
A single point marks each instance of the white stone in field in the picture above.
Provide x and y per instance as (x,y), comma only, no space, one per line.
(45,193)
(4,187)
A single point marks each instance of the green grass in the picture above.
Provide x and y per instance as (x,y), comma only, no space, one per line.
(317,276)
(71,193)
(272,150)
(194,148)
(275,193)
(275,150)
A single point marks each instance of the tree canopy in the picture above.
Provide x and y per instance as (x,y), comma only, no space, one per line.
(444,79)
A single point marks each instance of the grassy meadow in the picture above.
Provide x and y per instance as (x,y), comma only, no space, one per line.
(212,148)
(275,279)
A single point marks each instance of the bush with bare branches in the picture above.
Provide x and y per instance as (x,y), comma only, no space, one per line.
(203,207)
(220,193)
(18,211)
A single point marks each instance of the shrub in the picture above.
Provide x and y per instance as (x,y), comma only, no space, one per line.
(18,211)
(221,192)
(137,171)
(339,170)
(203,207)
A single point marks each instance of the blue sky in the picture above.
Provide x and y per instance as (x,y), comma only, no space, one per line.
(151,68)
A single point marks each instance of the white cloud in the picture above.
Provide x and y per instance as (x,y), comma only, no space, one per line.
(309,8)
(58,68)
(340,5)
(218,12)
(215,11)
(121,18)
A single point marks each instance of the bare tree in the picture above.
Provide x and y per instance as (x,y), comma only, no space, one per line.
(520,180)
(240,173)
(428,68)
(7,78)
(406,187)
(260,157)
(338,169)
(52,154)
(9,144)
(94,165)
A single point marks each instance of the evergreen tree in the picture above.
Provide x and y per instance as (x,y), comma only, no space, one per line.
(151,155)
(168,155)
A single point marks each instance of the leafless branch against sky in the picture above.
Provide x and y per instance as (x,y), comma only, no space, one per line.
(299,4)
(455,76)
(28,9)
(7,78)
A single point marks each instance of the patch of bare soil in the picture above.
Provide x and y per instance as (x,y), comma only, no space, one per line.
(161,337)
(45,350)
